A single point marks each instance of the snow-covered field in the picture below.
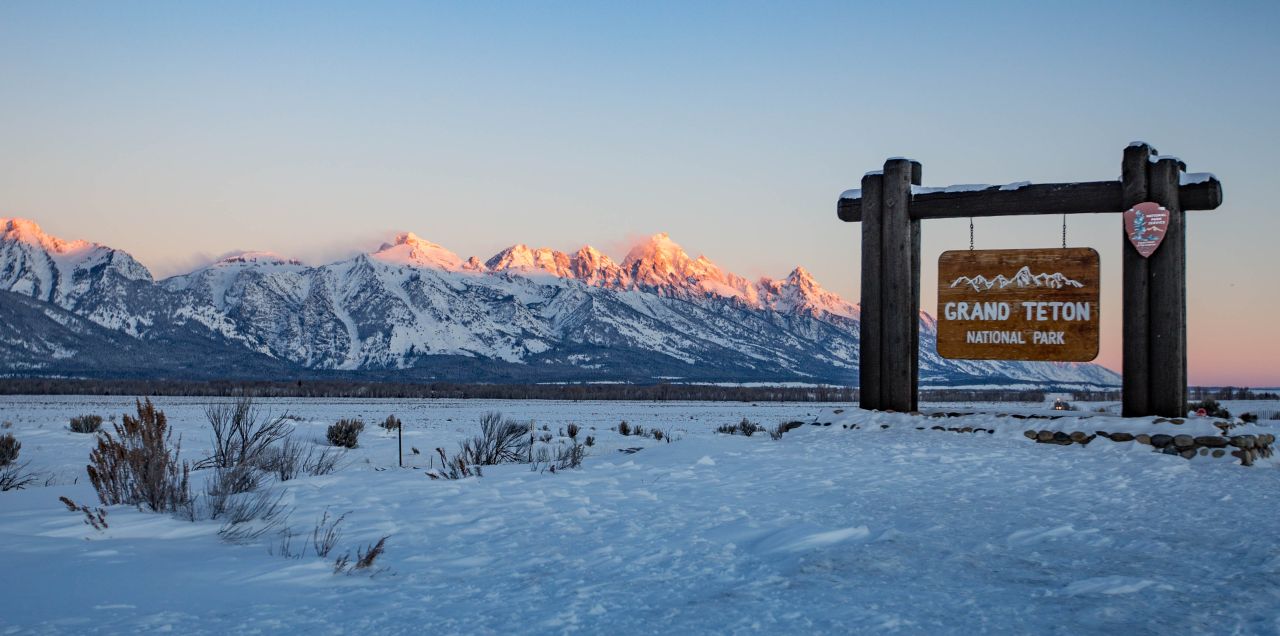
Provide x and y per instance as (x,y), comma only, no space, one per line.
(824,531)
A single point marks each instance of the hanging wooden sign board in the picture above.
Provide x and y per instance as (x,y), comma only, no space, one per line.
(1039,304)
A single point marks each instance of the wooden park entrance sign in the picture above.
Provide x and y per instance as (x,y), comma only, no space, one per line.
(1018,304)
(890,206)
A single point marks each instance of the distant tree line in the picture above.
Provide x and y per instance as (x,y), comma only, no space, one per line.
(638,392)
(354,389)
(1230,393)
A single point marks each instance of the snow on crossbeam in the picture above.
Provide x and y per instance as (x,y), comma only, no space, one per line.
(1201,191)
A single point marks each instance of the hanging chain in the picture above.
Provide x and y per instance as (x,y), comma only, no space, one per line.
(1064,231)
(970,234)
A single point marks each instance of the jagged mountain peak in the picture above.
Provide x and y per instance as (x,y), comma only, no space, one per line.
(658,248)
(29,232)
(800,291)
(521,257)
(410,249)
(593,267)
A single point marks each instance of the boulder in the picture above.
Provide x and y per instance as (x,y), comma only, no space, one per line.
(1122,437)
(1211,441)
(1160,441)
(1044,436)
(1244,441)
(1143,439)
(1079,437)
(1184,441)
(1029,434)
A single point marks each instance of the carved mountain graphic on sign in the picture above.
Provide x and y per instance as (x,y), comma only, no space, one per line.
(1023,278)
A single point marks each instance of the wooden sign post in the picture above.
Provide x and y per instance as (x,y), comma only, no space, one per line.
(890,207)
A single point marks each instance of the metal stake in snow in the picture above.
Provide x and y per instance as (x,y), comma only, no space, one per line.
(891,204)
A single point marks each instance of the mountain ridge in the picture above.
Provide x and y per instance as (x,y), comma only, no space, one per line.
(414,308)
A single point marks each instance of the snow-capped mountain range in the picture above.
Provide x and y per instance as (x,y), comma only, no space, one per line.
(1023,278)
(413,310)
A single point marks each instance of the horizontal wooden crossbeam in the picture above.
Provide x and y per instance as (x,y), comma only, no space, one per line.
(1045,198)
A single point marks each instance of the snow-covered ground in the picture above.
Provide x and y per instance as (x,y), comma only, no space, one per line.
(827,530)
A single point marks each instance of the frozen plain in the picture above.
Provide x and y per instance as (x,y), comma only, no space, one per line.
(824,531)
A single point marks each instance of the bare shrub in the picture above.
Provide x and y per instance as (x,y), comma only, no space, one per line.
(639,431)
(778,431)
(9,449)
(1249,418)
(6,425)
(590,441)
(86,423)
(284,547)
(454,468)
(572,430)
(242,432)
(500,441)
(137,466)
(624,429)
(15,477)
(345,433)
(220,488)
(392,423)
(326,534)
(340,563)
(294,458)
(95,518)
(569,457)
(546,438)
(657,434)
(250,515)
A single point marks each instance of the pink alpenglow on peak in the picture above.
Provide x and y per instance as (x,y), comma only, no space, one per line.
(661,264)
(593,267)
(801,292)
(408,249)
(521,258)
(29,232)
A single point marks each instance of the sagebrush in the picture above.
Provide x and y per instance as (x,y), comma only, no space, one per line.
(86,423)
(345,433)
(138,466)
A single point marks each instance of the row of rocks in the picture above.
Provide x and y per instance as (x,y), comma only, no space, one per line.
(1246,448)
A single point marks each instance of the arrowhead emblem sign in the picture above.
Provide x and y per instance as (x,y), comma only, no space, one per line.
(1145,224)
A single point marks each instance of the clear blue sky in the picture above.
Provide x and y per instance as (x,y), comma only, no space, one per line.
(181,131)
